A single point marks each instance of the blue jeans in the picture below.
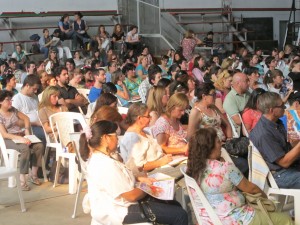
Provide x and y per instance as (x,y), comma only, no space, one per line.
(45,50)
(39,132)
(288,178)
(166,212)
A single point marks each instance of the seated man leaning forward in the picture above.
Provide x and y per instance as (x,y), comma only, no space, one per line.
(269,137)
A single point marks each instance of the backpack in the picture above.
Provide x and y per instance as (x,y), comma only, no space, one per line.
(34,37)
(35,48)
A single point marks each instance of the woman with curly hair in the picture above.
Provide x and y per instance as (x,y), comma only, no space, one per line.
(223,86)
(222,183)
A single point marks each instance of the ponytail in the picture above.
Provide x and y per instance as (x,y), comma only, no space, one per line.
(84,148)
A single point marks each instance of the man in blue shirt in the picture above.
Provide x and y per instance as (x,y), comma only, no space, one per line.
(100,79)
(269,137)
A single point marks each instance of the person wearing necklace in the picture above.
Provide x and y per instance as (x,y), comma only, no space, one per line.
(140,151)
(205,114)
(11,122)
(168,130)
(132,81)
(112,195)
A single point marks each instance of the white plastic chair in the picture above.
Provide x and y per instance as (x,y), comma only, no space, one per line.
(122,110)
(64,123)
(235,134)
(74,137)
(85,92)
(192,184)
(263,178)
(9,170)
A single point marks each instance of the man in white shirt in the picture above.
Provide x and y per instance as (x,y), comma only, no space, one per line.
(27,102)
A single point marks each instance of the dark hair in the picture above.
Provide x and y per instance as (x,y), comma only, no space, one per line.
(249,70)
(268,60)
(252,102)
(98,129)
(163,82)
(178,86)
(182,76)
(173,68)
(29,63)
(132,27)
(163,57)
(63,17)
(200,148)
(58,70)
(127,67)
(94,62)
(95,72)
(210,33)
(271,75)
(105,99)
(203,89)
(134,111)
(70,60)
(12,60)
(78,14)
(31,80)
(4,94)
(109,87)
(152,71)
(44,30)
(196,62)
(6,78)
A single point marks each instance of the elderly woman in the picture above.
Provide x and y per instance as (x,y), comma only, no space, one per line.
(223,183)
(168,129)
(11,122)
(114,199)
(140,151)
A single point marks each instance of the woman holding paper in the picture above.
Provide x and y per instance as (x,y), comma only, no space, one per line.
(11,121)
(139,150)
(112,196)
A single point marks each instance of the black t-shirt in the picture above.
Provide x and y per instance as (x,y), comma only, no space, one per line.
(118,37)
(69,92)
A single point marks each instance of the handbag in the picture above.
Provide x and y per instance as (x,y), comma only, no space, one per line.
(263,204)
(146,211)
(237,146)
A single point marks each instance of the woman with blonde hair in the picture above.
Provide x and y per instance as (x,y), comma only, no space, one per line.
(168,130)
(142,68)
(223,86)
(156,102)
(227,64)
(188,44)
(49,106)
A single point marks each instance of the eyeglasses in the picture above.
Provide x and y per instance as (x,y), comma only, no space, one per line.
(213,94)
(282,106)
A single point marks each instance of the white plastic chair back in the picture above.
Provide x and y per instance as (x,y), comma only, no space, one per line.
(235,134)
(122,110)
(192,184)
(74,137)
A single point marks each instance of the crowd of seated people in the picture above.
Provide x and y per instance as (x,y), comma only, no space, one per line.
(180,99)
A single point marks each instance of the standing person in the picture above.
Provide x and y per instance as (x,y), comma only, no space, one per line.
(189,43)
(100,79)
(113,199)
(80,27)
(45,43)
(222,184)
(168,130)
(69,95)
(10,121)
(27,102)
(154,75)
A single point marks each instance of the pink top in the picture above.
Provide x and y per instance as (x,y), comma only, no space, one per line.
(221,95)
(251,117)
(198,74)
(188,45)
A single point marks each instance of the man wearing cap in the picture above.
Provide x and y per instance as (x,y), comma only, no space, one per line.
(269,137)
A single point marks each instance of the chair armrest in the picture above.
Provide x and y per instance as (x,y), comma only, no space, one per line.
(12,152)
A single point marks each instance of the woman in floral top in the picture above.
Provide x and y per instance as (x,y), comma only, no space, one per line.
(223,183)
(168,129)
(188,44)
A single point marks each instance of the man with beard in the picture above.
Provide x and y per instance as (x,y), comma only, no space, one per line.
(69,95)
(100,78)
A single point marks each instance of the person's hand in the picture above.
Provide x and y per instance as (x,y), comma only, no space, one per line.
(120,83)
(166,159)
(25,140)
(146,180)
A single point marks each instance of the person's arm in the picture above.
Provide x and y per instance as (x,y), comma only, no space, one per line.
(6,135)
(86,26)
(194,121)
(247,120)
(141,75)
(249,187)
(287,160)
(158,163)
(219,104)
(162,139)
(26,121)
(77,101)
(225,122)
(134,195)
(154,117)
(123,94)
(287,95)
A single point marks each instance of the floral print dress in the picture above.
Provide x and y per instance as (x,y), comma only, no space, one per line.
(218,182)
